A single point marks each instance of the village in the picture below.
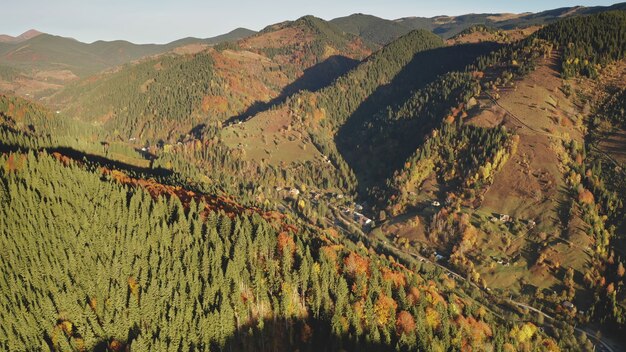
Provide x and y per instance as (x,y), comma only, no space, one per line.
(333,200)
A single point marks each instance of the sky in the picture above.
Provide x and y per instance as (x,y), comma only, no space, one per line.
(162,21)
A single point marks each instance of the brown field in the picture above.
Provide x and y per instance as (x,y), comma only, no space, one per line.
(503,36)
(190,49)
(505,16)
(57,75)
(540,113)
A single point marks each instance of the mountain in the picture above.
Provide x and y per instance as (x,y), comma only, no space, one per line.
(50,52)
(235,34)
(371,28)
(382,31)
(419,129)
(227,81)
(41,65)
(20,38)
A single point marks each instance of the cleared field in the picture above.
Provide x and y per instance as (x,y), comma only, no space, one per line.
(270,137)
(541,114)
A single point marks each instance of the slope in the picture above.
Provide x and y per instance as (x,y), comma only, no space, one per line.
(145,265)
(171,95)
(543,217)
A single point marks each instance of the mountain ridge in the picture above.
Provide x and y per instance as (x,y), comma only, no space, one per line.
(31,33)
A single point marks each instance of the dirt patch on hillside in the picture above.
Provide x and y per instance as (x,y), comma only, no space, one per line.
(505,16)
(499,36)
(190,49)
(58,75)
(528,183)
(29,87)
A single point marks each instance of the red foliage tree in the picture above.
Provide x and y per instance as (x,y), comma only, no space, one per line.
(286,243)
(405,324)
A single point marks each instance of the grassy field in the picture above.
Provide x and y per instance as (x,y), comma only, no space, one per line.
(271,136)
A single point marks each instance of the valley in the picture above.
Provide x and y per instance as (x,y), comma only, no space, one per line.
(437,184)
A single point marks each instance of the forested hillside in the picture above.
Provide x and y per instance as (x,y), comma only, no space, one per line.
(169,96)
(383,31)
(166,274)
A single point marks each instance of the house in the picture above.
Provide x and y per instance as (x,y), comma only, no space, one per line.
(439,257)
(358,207)
(294,192)
(435,204)
(505,218)
(363,220)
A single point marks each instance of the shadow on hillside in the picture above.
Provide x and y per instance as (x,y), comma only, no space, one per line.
(314,78)
(321,75)
(372,144)
(310,335)
(98,160)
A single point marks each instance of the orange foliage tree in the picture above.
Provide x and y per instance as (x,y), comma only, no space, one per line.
(355,265)
(405,324)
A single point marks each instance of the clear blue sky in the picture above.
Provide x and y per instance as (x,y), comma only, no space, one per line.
(160,21)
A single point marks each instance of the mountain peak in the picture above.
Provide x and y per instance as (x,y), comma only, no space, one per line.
(31,33)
